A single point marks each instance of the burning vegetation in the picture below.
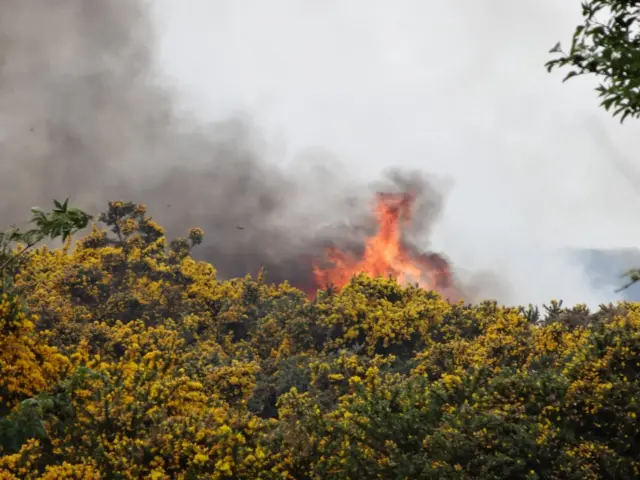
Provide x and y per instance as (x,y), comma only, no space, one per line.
(387,253)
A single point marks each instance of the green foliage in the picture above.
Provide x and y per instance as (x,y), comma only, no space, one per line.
(62,222)
(607,45)
(24,423)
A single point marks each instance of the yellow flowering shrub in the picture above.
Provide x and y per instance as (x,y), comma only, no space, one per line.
(122,356)
(28,364)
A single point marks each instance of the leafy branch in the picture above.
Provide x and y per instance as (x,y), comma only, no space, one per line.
(634,277)
(607,45)
(62,221)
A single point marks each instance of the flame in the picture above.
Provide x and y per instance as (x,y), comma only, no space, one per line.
(385,253)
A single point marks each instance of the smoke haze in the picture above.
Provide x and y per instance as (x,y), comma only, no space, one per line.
(83,114)
(139,100)
(456,89)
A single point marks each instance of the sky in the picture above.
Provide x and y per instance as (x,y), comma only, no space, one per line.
(456,89)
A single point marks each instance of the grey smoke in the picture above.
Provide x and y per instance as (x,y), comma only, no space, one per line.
(84,113)
(455,88)
(77,109)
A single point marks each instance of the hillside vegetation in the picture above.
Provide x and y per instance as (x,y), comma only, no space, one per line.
(122,357)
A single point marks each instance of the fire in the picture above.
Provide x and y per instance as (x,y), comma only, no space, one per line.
(386,253)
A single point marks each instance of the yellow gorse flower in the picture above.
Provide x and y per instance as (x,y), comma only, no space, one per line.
(133,359)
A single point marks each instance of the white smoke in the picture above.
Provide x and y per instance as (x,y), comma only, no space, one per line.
(453,88)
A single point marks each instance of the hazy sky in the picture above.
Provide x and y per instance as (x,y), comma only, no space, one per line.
(457,89)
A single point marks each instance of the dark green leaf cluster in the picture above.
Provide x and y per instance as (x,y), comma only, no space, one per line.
(61,222)
(607,45)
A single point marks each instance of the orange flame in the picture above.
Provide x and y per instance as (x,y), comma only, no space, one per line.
(386,254)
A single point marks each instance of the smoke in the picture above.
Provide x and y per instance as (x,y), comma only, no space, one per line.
(88,110)
(74,102)
(456,89)
(83,113)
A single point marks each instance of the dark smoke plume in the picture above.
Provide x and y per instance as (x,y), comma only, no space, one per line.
(84,115)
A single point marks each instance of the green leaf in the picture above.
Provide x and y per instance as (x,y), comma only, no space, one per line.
(624,115)
(607,103)
(557,48)
(571,74)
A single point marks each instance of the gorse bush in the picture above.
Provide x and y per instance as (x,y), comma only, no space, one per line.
(122,357)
